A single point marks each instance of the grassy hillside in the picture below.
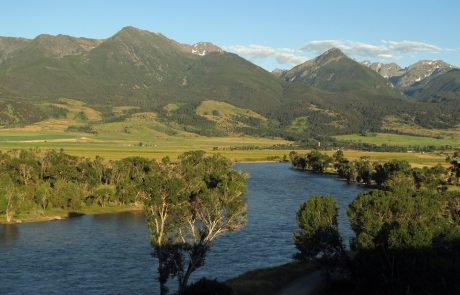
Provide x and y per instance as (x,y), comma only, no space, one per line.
(405,124)
(228,117)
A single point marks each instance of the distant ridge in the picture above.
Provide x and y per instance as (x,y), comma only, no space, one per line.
(329,94)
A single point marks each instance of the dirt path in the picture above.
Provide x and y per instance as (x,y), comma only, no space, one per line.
(303,285)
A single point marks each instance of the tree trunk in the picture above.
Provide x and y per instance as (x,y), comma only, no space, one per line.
(9,212)
(185,278)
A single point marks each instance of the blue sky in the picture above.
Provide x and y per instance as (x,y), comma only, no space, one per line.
(269,33)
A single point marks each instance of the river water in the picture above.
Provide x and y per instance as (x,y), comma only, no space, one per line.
(110,254)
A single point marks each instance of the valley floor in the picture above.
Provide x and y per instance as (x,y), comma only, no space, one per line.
(232,148)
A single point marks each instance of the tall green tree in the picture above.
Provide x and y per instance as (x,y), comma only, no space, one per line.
(364,170)
(318,162)
(10,197)
(188,205)
(318,238)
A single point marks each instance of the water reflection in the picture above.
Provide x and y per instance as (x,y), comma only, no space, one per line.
(8,235)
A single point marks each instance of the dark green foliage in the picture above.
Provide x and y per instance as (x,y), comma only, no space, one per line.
(384,171)
(314,161)
(454,160)
(17,112)
(318,162)
(364,170)
(81,128)
(318,238)
(406,242)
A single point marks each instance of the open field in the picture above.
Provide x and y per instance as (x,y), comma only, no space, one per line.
(415,159)
(172,147)
(401,140)
(114,147)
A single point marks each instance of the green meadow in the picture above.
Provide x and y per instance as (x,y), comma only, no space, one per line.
(401,140)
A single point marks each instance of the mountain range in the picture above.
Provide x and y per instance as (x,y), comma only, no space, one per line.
(330,94)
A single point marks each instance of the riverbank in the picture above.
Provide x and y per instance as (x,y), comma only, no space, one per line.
(269,281)
(57,214)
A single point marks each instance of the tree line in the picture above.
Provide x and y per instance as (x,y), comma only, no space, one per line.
(387,174)
(407,236)
(35,181)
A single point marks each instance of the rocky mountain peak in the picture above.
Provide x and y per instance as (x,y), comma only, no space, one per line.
(417,74)
(332,54)
(279,72)
(385,70)
(202,48)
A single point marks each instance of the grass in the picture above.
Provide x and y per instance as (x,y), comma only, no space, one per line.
(268,281)
(173,146)
(401,140)
(74,107)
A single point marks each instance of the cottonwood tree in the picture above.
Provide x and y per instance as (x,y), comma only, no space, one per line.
(318,238)
(43,194)
(188,205)
(318,162)
(165,206)
(9,197)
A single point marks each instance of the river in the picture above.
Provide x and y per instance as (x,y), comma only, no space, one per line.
(110,254)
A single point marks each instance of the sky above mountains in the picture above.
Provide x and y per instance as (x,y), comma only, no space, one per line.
(272,34)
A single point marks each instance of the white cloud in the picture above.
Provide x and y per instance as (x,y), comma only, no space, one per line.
(412,46)
(254,52)
(349,47)
(385,50)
